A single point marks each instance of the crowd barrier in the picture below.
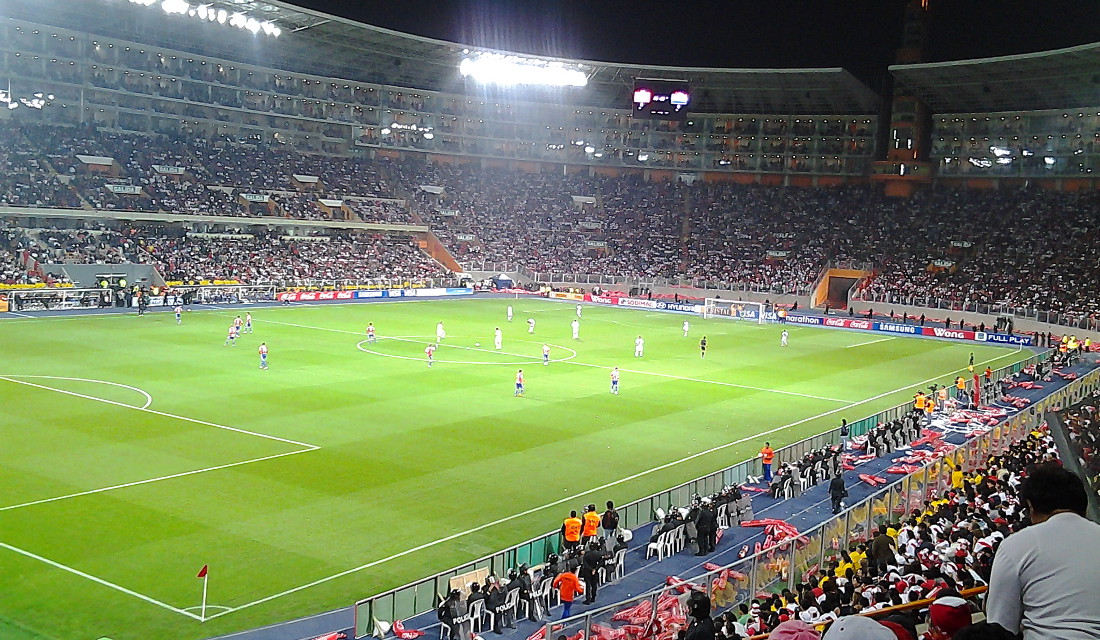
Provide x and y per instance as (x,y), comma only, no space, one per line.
(790,563)
(422,596)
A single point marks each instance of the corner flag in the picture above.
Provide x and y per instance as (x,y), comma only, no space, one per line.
(203,574)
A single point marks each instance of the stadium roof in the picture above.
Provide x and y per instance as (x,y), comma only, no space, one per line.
(1058,79)
(317,43)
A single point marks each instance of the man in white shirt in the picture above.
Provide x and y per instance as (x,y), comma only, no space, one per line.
(1046,577)
(639,347)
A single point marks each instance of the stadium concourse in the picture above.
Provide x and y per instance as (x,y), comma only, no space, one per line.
(952,550)
(1025,249)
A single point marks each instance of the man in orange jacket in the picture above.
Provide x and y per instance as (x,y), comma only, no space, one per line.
(591,526)
(571,531)
(568,586)
(767,456)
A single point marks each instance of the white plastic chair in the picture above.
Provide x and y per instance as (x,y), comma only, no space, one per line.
(662,548)
(477,614)
(509,605)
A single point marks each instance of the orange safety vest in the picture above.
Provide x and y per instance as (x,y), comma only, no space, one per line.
(591,523)
(768,455)
(918,402)
(572,529)
(943,393)
(960,384)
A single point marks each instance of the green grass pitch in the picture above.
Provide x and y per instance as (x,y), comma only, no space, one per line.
(135,451)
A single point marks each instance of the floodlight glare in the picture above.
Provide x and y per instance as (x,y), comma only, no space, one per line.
(589,149)
(495,68)
(386,131)
(429,135)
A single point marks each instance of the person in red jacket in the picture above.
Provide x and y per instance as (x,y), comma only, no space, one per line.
(568,586)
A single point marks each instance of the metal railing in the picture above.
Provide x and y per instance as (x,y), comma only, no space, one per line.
(1072,320)
(790,562)
(421,596)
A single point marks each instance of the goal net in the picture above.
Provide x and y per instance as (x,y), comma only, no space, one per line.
(736,309)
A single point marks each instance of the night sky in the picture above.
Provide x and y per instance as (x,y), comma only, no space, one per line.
(859,35)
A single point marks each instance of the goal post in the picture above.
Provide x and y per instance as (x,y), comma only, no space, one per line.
(735,309)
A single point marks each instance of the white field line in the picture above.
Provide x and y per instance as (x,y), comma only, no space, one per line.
(158,479)
(860,344)
(585,364)
(577,496)
(162,413)
(129,592)
(148,398)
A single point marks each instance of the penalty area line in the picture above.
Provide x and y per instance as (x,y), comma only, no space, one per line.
(98,580)
(577,496)
(162,413)
(158,479)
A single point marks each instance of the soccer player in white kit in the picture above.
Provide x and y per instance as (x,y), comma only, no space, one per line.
(546,354)
(578,310)
(639,347)
(576,329)
(509,313)
(440,334)
(783,338)
(615,381)
(179,314)
(530,325)
(498,338)
(247,323)
(687,326)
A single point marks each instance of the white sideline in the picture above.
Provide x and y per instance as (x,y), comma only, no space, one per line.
(860,344)
(571,498)
(162,413)
(158,479)
(129,592)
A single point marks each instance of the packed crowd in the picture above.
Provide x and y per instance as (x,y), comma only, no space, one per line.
(1082,425)
(1015,248)
(264,258)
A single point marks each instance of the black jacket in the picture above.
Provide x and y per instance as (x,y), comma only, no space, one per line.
(702,629)
(836,487)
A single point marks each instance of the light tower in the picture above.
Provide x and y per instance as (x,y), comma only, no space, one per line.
(906,165)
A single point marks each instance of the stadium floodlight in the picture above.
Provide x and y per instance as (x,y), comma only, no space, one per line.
(496,68)
(222,16)
(429,135)
(386,131)
(590,149)
(1048,161)
(642,157)
(599,155)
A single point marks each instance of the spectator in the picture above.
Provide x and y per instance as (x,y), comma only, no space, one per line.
(568,587)
(1045,577)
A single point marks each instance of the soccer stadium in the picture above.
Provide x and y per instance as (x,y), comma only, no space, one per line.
(314,329)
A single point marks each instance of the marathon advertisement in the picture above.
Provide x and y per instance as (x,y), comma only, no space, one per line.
(793,319)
